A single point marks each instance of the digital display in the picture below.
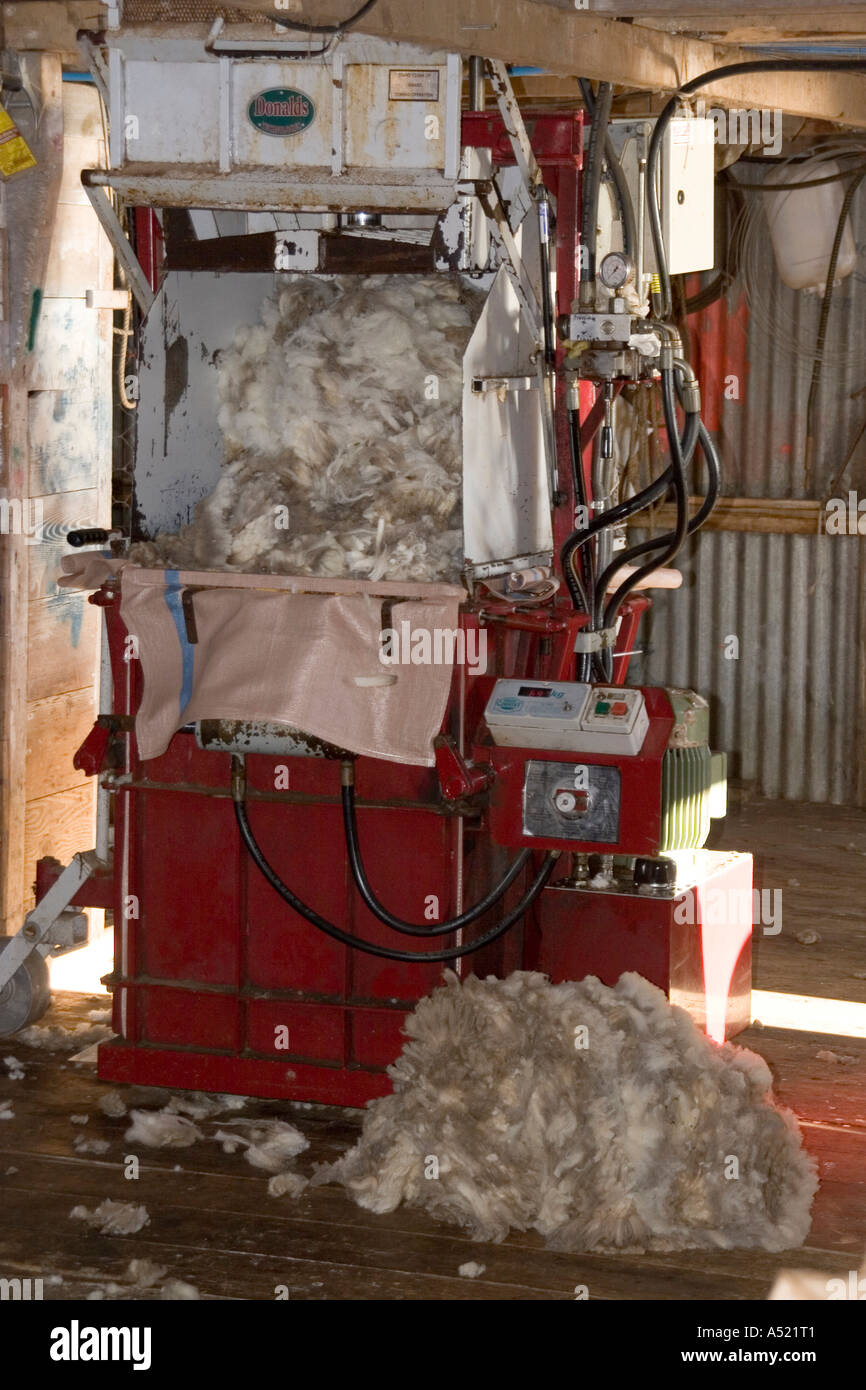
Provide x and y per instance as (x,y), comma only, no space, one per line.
(535,690)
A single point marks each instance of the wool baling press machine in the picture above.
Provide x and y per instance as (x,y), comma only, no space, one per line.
(293,847)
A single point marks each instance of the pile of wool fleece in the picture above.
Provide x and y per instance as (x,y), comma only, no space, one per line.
(625,1143)
(342,407)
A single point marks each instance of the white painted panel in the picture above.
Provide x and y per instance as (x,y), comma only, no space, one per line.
(179,449)
(506,505)
(176,110)
(386,134)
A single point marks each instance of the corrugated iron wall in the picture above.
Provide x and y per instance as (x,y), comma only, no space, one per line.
(784,690)
(766,626)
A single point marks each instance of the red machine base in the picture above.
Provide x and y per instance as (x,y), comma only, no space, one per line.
(696,945)
(242,1076)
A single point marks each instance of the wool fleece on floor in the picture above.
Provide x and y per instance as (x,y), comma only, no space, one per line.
(602,1118)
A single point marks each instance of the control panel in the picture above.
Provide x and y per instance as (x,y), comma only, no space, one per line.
(571,801)
(616,716)
(568,716)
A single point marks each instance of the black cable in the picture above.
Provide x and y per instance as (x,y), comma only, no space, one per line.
(305,28)
(369,947)
(793,187)
(592,184)
(668,112)
(579,585)
(708,295)
(820,341)
(730,206)
(713,462)
(676,538)
(614,170)
(544,230)
(630,505)
(356,864)
(623,198)
(794,158)
(578,477)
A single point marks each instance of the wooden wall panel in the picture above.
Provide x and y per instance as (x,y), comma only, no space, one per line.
(58,825)
(13,665)
(57,454)
(62,646)
(79,508)
(53,727)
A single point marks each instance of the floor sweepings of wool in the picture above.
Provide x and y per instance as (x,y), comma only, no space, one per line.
(340,413)
(601,1117)
(113,1218)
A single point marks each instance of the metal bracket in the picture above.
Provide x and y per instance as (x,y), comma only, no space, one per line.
(595,641)
(513,122)
(39,922)
(491,569)
(501,384)
(97,64)
(136,278)
(503,238)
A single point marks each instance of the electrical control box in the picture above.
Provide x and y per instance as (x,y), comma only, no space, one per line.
(685,192)
(616,719)
(688,174)
(567,715)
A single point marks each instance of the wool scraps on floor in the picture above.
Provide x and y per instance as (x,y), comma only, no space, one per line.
(601,1117)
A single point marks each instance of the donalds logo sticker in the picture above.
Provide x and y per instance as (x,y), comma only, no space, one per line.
(281,111)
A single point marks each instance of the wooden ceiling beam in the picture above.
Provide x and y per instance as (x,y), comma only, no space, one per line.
(568,43)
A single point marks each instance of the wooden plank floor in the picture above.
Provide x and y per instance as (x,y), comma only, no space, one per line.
(213,1224)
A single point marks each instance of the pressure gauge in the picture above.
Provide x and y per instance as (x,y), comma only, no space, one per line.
(616,270)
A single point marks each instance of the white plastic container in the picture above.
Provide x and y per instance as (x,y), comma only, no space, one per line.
(803,226)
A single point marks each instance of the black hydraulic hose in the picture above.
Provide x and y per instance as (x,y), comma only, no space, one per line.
(356,863)
(583,584)
(714,470)
(591,187)
(304,27)
(623,197)
(369,947)
(544,218)
(669,110)
(577,473)
(675,538)
(630,505)
(681,450)
(617,177)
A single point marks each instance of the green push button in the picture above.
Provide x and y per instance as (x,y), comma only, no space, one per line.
(602,707)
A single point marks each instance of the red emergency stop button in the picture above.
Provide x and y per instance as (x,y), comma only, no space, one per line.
(619,707)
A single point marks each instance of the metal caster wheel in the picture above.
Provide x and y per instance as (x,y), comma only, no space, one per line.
(26,996)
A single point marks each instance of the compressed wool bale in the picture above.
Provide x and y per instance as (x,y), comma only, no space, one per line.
(602,1118)
(340,413)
